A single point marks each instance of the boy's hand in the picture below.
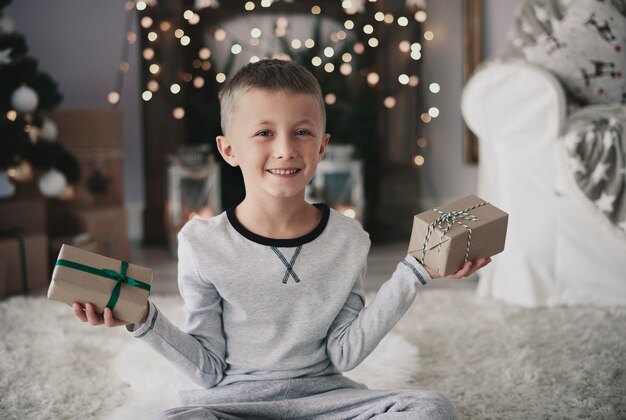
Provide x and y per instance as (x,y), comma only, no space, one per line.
(468,269)
(88,314)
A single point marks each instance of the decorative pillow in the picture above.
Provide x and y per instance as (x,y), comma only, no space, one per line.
(587,51)
(595,146)
(533,21)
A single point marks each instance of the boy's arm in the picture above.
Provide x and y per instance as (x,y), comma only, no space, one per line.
(357,329)
(199,351)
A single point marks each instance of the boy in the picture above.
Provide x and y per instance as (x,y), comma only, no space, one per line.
(272,287)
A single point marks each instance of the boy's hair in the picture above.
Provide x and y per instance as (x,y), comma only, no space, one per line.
(272,75)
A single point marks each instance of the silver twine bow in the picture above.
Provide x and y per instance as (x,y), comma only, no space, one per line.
(445,222)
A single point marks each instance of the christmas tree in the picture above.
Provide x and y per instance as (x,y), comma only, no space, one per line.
(28,146)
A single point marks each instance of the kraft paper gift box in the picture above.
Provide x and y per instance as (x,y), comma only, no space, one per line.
(25,258)
(83,276)
(463,230)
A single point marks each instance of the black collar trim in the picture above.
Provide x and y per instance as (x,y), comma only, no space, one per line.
(281,243)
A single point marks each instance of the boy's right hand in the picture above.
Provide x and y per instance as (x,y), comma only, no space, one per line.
(88,314)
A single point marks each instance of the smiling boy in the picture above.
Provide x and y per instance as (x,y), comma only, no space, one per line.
(275,309)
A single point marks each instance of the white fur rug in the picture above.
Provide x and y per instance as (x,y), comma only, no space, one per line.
(492,360)
(54,366)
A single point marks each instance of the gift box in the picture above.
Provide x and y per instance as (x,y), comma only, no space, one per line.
(25,215)
(444,238)
(108,226)
(89,128)
(25,260)
(83,276)
(95,137)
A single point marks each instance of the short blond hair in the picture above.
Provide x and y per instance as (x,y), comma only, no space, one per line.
(272,75)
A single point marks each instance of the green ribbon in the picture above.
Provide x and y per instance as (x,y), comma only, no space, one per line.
(119,278)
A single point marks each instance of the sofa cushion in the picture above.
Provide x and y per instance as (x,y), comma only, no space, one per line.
(586,49)
(594,142)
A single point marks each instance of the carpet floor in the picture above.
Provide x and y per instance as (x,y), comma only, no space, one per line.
(492,360)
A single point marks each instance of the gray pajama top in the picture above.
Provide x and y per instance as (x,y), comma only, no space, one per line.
(261,309)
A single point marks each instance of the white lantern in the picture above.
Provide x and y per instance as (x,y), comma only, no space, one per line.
(7,189)
(24,99)
(52,183)
(49,130)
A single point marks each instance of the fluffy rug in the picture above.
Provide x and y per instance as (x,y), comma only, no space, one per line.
(492,360)
(54,366)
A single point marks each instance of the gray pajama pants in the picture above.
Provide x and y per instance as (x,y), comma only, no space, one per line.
(324,397)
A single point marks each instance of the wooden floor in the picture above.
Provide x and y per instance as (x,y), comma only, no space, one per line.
(382,261)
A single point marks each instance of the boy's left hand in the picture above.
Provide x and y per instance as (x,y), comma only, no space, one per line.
(469,268)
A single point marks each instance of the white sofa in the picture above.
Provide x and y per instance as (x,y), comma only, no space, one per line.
(557,251)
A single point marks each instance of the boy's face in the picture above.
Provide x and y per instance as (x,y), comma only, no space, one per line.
(277,139)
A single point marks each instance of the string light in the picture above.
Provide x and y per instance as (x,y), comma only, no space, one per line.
(146,22)
(373,78)
(204,53)
(236,49)
(389,102)
(153,85)
(198,82)
(325,60)
(194,20)
(178,113)
(420,16)
(345,69)
(113,98)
